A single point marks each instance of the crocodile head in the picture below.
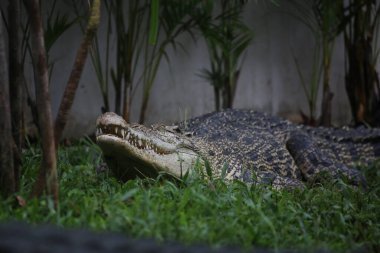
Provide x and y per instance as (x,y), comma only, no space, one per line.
(136,150)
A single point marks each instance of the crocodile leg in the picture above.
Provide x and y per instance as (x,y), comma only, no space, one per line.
(311,160)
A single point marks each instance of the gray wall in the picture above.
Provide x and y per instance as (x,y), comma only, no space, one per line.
(268,82)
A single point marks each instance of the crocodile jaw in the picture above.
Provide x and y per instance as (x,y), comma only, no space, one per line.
(135,150)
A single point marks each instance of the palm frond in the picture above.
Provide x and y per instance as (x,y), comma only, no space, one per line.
(57,27)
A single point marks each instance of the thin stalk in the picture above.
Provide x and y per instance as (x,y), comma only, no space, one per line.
(72,84)
(16,79)
(48,170)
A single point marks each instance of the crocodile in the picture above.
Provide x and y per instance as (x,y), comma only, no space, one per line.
(237,144)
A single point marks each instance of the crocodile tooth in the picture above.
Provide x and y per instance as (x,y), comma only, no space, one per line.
(123,133)
(128,135)
(100,131)
(139,142)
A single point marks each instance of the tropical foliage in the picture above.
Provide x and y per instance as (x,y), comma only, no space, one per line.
(227,38)
(358,21)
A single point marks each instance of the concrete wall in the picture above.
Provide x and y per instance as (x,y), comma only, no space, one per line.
(268,82)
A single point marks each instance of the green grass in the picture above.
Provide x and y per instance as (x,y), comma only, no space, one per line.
(335,216)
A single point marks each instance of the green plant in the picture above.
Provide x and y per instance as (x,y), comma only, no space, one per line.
(323,18)
(57,23)
(227,38)
(128,37)
(122,72)
(312,86)
(175,18)
(360,25)
(138,44)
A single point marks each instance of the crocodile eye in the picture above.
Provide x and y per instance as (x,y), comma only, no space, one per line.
(188,134)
